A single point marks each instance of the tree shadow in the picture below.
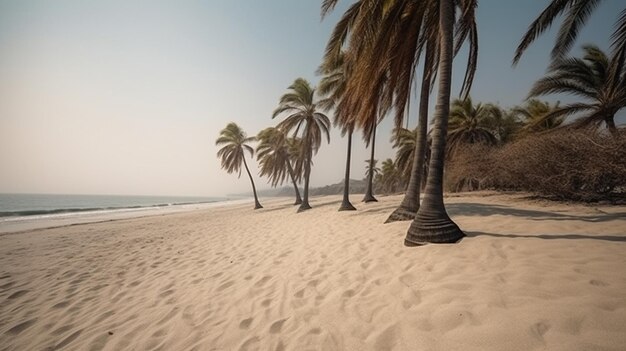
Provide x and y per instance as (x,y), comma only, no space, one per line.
(476,209)
(613,238)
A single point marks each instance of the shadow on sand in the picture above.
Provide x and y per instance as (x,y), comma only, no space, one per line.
(476,209)
(614,238)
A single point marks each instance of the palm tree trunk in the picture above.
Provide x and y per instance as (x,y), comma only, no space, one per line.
(369,193)
(610,123)
(411,201)
(257,204)
(295,185)
(345,204)
(307,174)
(432,223)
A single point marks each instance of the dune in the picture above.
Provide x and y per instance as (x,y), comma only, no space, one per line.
(529,276)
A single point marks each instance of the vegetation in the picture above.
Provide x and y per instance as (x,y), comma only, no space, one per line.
(273,154)
(368,71)
(598,79)
(234,144)
(303,117)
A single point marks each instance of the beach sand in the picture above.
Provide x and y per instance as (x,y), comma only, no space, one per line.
(529,276)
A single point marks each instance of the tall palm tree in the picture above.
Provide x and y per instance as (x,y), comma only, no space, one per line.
(389,37)
(273,155)
(234,144)
(597,78)
(538,116)
(470,124)
(332,86)
(303,116)
(576,14)
(432,223)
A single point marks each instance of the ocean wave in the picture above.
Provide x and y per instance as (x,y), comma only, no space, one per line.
(28,213)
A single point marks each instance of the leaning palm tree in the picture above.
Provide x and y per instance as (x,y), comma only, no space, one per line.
(305,118)
(596,78)
(470,124)
(538,116)
(576,14)
(234,144)
(332,86)
(273,155)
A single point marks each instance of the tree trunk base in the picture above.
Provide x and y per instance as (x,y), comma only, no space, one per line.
(347,206)
(303,207)
(257,206)
(433,228)
(401,214)
(298,202)
(369,198)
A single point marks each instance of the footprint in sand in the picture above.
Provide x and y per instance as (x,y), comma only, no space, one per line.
(595,282)
(245,324)
(277,326)
(225,285)
(250,344)
(21,327)
(539,329)
(67,340)
(17,294)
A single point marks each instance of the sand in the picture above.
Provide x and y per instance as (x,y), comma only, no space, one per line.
(529,276)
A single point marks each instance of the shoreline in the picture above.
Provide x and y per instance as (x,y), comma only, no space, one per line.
(19,224)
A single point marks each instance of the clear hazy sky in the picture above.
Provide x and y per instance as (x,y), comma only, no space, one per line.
(128,96)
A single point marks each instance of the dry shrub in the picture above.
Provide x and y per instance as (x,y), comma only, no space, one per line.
(567,165)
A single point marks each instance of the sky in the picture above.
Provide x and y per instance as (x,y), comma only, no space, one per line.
(128,96)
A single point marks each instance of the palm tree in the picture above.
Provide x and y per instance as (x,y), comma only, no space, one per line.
(577,13)
(305,118)
(371,170)
(404,142)
(273,155)
(390,178)
(432,223)
(470,124)
(597,78)
(504,124)
(331,87)
(369,189)
(232,154)
(538,116)
(388,37)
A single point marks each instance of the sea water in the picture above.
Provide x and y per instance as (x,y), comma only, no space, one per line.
(19,212)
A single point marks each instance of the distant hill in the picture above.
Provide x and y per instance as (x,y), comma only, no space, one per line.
(356,187)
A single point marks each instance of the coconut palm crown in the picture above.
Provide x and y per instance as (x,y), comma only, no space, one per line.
(598,79)
(470,124)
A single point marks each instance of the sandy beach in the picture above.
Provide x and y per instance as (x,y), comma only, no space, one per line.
(529,276)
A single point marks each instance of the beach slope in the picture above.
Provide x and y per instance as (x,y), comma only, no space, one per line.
(528,276)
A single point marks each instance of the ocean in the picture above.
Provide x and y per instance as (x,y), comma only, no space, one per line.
(45,205)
